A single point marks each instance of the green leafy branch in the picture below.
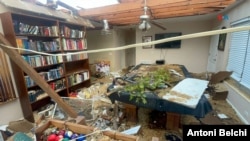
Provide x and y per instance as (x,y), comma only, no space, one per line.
(151,81)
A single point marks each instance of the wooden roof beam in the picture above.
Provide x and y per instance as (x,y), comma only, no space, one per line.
(123,7)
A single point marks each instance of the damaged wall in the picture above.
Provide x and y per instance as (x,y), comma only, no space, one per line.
(237,96)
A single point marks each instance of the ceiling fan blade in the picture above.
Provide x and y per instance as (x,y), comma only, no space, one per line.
(158,25)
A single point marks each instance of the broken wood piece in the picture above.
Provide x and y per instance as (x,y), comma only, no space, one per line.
(78,120)
(109,118)
(173,121)
(82,129)
(219,76)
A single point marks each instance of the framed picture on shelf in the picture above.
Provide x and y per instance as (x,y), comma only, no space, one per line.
(146,39)
(222,40)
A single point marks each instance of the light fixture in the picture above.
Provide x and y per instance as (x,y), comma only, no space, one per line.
(144,25)
(106,29)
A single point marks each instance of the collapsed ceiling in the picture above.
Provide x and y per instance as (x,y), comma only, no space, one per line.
(128,12)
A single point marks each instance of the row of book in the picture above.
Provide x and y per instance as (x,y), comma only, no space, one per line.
(41,46)
(52,74)
(68,32)
(35,95)
(23,28)
(78,78)
(3,96)
(42,60)
(74,57)
(71,44)
(49,75)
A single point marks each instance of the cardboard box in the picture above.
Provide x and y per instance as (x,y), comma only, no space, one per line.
(81,129)
(220,95)
(220,92)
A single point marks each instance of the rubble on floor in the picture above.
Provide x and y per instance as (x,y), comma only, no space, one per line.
(103,114)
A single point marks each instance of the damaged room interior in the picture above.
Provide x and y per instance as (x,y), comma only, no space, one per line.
(122,70)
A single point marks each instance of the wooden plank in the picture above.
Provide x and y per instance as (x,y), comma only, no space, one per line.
(124,7)
(82,129)
(173,121)
(129,12)
(15,57)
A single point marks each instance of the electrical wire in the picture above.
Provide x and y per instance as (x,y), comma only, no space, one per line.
(188,36)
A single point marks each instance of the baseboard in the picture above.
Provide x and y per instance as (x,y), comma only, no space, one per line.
(242,118)
(238,113)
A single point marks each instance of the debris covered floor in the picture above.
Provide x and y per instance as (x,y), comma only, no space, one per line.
(102,115)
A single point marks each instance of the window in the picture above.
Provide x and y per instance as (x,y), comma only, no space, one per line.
(239,54)
(6,85)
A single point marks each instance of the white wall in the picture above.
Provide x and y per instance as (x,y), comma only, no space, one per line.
(193,52)
(115,40)
(238,99)
(97,41)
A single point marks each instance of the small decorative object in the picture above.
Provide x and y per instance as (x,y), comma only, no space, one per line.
(81,137)
(103,66)
(146,39)
(221,17)
(52,137)
(222,41)
(75,135)
(68,134)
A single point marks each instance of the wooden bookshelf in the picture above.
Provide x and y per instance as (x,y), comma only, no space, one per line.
(64,73)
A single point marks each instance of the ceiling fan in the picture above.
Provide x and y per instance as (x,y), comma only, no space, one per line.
(145,20)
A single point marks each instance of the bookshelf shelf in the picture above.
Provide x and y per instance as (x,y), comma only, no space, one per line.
(33,36)
(50,36)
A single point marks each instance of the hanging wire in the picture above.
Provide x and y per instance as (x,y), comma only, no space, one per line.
(182,37)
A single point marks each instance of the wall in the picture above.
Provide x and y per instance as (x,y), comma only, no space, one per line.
(97,41)
(130,53)
(193,52)
(9,111)
(236,97)
(191,48)
(118,38)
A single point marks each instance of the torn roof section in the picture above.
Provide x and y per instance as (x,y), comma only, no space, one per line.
(19,6)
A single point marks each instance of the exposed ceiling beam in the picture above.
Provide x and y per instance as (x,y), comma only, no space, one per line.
(129,11)
(123,7)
